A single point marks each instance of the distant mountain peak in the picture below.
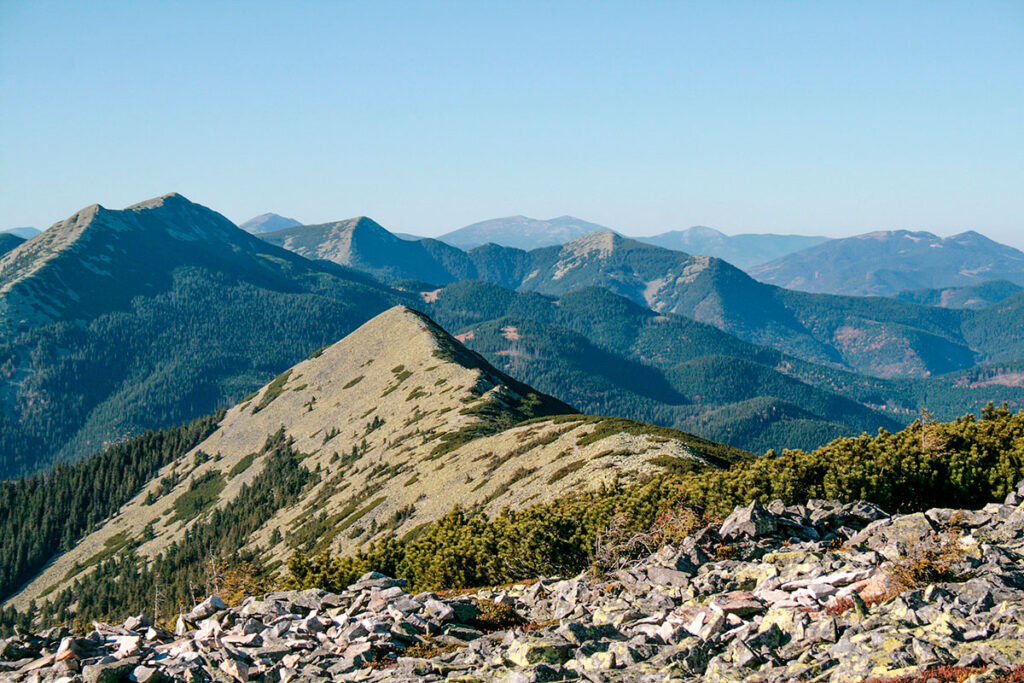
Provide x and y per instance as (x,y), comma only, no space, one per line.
(23,232)
(704,231)
(107,248)
(268,222)
(604,242)
(169,199)
(521,232)
(744,251)
(888,262)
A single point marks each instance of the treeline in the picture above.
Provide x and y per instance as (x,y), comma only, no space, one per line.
(966,464)
(126,583)
(42,515)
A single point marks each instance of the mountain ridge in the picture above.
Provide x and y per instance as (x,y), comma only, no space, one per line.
(520,232)
(833,329)
(886,262)
(118,321)
(397,419)
(744,250)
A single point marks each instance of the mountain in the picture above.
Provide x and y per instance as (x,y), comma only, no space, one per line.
(373,436)
(608,355)
(8,241)
(742,251)
(882,338)
(112,322)
(605,354)
(971,296)
(888,262)
(24,233)
(520,232)
(268,222)
(363,244)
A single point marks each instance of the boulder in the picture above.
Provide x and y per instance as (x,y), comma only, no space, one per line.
(753,521)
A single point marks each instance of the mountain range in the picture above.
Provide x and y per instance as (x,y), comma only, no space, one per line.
(363,244)
(743,251)
(120,321)
(112,322)
(883,339)
(345,387)
(888,262)
(521,232)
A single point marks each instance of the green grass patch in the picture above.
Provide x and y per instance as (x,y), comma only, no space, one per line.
(361,513)
(202,494)
(273,390)
(565,471)
(111,546)
(352,382)
(242,465)
(399,378)
(516,477)
(676,465)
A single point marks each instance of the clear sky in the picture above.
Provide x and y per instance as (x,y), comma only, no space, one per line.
(806,117)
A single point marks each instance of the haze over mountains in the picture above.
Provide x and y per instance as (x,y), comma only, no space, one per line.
(525,233)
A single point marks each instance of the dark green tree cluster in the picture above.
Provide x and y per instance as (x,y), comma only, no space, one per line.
(126,583)
(966,463)
(44,514)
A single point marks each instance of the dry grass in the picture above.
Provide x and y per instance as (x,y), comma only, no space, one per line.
(233,583)
(938,559)
(428,649)
(496,616)
(939,674)
(619,546)
(950,674)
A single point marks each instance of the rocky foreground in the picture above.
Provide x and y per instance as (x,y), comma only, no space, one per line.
(818,592)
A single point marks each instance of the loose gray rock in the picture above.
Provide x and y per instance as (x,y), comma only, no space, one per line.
(779,603)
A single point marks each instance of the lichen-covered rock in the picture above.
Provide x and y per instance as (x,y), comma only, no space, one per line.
(787,604)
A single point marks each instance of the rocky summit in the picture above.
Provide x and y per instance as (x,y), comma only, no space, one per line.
(823,591)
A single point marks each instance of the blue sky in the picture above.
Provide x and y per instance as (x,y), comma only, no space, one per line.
(816,118)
